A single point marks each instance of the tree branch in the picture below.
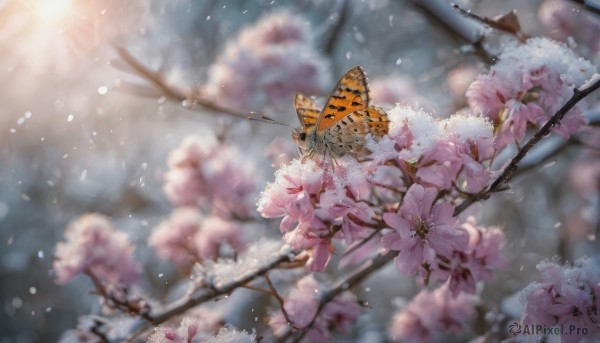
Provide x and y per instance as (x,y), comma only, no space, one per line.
(501,182)
(210,294)
(175,93)
(345,283)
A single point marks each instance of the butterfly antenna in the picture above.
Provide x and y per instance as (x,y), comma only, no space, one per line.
(264,119)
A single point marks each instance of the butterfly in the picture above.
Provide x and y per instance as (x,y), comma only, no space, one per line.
(342,126)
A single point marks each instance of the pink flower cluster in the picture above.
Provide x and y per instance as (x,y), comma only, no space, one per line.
(267,64)
(187,237)
(314,198)
(477,262)
(409,184)
(565,295)
(527,86)
(93,247)
(430,314)
(212,176)
(215,191)
(301,307)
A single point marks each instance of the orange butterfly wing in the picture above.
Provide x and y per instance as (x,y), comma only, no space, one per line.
(308,111)
(350,94)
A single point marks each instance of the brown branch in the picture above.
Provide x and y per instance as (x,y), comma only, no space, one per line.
(501,183)
(210,294)
(346,283)
(126,306)
(279,300)
(174,93)
(507,23)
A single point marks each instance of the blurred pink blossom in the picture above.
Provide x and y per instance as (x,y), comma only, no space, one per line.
(301,306)
(528,84)
(393,90)
(268,63)
(431,314)
(93,247)
(564,19)
(460,78)
(281,151)
(187,237)
(423,231)
(566,296)
(173,239)
(212,176)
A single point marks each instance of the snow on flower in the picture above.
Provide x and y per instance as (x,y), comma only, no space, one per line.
(472,137)
(229,335)
(421,148)
(94,247)
(267,64)
(225,271)
(565,295)
(527,86)
(195,327)
(431,314)
(312,198)
(206,174)
(423,231)
(301,307)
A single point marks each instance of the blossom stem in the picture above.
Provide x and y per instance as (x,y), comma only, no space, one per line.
(346,283)
(279,299)
(171,92)
(501,181)
(210,294)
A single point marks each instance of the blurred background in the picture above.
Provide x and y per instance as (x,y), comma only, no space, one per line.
(79,132)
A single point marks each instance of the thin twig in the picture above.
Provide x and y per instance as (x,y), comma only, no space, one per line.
(210,294)
(346,283)
(125,306)
(507,23)
(175,93)
(502,181)
(279,300)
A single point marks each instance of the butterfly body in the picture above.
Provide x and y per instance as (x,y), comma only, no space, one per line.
(343,125)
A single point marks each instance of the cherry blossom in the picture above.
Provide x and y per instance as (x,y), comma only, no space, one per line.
(301,307)
(564,295)
(187,237)
(423,231)
(314,198)
(268,63)
(94,247)
(430,314)
(527,85)
(210,175)
(476,263)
